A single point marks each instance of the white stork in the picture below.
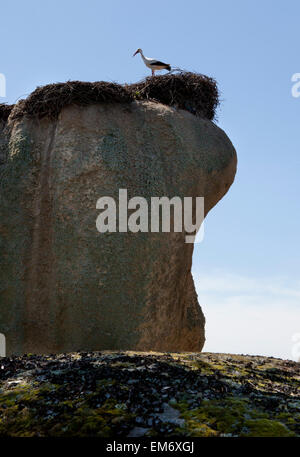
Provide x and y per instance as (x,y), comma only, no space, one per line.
(153,63)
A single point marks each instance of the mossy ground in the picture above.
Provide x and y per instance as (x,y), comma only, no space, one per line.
(119,394)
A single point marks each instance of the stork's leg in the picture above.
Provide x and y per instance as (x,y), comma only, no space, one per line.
(153,72)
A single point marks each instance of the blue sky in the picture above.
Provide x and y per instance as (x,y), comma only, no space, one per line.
(251,242)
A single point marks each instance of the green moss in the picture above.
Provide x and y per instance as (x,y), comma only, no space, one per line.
(123,365)
(86,421)
(22,393)
(205,367)
(229,416)
(286,417)
(19,412)
(202,366)
(195,428)
(17,420)
(266,427)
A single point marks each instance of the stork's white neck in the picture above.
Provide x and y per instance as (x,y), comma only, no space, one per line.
(143,57)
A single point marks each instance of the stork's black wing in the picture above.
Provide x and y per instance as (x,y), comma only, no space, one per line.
(158,62)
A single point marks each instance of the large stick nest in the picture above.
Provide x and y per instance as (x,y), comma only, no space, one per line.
(193,92)
(188,91)
(49,100)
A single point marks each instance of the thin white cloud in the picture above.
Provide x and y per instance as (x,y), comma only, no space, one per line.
(250,315)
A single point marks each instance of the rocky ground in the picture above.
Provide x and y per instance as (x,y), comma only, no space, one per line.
(121,394)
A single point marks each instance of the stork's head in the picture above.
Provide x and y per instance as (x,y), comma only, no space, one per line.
(136,52)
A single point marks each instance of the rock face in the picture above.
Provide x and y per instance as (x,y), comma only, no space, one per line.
(63,285)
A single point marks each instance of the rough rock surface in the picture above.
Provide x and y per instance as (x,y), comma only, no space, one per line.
(149,394)
(63,285)
(3,143)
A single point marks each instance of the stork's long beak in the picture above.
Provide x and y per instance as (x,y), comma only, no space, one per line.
(135,53)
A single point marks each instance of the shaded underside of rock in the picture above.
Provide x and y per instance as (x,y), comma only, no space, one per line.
(63,285)
(113,394)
